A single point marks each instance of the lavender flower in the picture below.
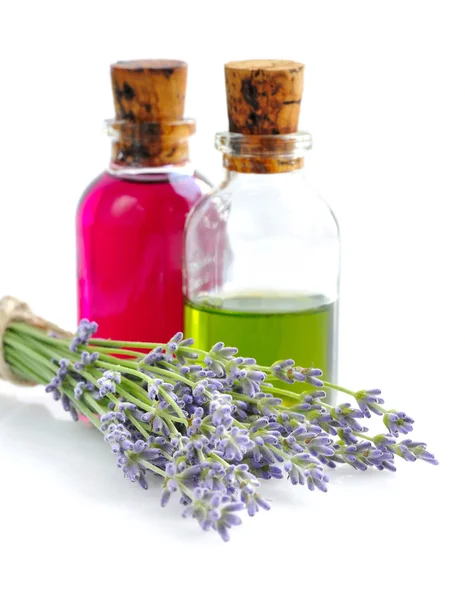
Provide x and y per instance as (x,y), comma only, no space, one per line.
(312,375)
(79,389)
(316,479)
(107,386)
(398,422)
(196,421)
(112,376)
(172,346)
(211,425)
(221,351)
(154,389)
(407,449)
(154,356)
(53,385)
(283,371)
(85,330)
(320,445)
(87,359)
(60,377)
(346,435)
(253,500)
(415,450)
(234,444)
(214,510)
(368,401)
(221,409)
(347,416)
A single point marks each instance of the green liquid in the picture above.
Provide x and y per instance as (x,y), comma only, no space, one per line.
(269,328)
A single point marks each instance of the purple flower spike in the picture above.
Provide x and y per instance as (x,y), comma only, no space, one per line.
(86,329)
(172,346)
(79,389)
(369,401)
(73,412)
(212,427)
(177,338)
(282,370)
(398,422)
(107,386)
(317,479)
(412,451)
(215,511)
(346,435)
(312,375)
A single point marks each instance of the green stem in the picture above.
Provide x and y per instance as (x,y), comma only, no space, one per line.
(153,369)
(219,459)
(135,373)
(16,361)
(123,369)
(26,350)
(281,392)
(278,451)
(82,408)
(173,405)
(86,373)
(136,424)
(362,435)
(151,467)
(30,330)
(111,351)
(93,404)
(168,370)
(97,342)
(171,427)
(137,394)
(333,386)
(186,490)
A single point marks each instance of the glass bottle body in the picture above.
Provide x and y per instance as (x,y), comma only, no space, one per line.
(262,269)
(130,239)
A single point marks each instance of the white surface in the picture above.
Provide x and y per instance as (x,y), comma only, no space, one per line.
(70,522)
(384,100)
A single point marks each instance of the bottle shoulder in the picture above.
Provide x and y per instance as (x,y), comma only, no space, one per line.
(176,189)
(264,206)
(102,181)
(203,182)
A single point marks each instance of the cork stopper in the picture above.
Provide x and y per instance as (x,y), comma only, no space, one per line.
(149,90)
(264,96)
(149,127)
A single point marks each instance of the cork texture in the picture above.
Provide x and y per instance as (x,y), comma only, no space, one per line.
(149,98)
(149,90)
(152,144)
(261,164)
(264,96)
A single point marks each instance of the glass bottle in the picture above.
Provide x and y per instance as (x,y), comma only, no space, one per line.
(262,251)
(130,220)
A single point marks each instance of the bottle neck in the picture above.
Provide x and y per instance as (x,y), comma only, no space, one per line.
(263,154)
(282,180)
(146,173)
(148,146)
(261,164)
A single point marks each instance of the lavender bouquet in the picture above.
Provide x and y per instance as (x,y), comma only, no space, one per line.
(210,424)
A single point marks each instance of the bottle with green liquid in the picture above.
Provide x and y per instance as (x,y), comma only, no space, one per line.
(261,268)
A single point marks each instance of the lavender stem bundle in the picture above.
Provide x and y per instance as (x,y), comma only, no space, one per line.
(209,424)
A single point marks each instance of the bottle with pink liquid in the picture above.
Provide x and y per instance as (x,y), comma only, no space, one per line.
(130,220)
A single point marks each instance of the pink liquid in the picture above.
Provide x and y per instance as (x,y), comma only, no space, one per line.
(130,246)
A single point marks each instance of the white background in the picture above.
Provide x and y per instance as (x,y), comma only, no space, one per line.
(385,102)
